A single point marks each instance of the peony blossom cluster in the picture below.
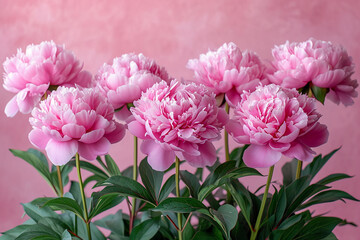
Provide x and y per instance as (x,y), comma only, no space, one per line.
(177,120)
(74,120)
(276,121)
(41,67)
(318,63)
(229,71)
(127,77)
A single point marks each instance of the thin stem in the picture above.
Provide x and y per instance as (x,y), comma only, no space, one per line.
(135,169)
(77,160)
(298,169)
(60,181)
(177,180)
(186,222)
(226,136)
(262,207)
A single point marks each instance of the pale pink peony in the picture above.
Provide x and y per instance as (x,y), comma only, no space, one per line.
(74,120)
(317,62)
(177,120)
(276,121)
(229,71)
(41,67)
(127,77)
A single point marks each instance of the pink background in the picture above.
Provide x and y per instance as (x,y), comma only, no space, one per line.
(172,32)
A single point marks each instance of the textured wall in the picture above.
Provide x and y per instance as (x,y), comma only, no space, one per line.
(172,32)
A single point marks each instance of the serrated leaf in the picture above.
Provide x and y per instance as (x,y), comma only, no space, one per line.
(167,188)
(125,186)
(180,205)
(67,204)
(112,166)
(145,230)
(151,179)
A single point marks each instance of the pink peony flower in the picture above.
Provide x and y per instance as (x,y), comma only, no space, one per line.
(71,120)
(126,78)
(276,121)
(177,120)
(229,71)
(30,74)
(323,64)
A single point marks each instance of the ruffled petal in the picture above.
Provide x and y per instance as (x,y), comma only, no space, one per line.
(91,151)
(207,156)
(38,138)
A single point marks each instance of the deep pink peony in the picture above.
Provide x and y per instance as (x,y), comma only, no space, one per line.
(323,64)
(127,77)
(229,71)
(71,120)
(276,121)
(177,120)
(30,74)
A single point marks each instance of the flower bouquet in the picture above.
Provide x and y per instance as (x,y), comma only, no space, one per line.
(269,109)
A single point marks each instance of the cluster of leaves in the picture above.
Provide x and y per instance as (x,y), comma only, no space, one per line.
(216,207)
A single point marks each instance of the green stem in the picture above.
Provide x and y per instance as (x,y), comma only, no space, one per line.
(60,181)
(298,169)
(262,207)
(77,160)
(135,169)
(226,137)
(177,181)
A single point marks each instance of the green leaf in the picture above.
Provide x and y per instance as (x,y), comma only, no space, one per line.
(91,168)
(333,178)
(64,203)
(318,227)
(167,188)
(36,213)
(38,161)
(145,230)
(319,93)
(114,223)
(330,237)
(104,203)
(191,181)
(227,216)
(16,231)
(314,167)
(125,186)
(38,231)
(151,179)
(289,172)
(328,196)
(222,174)
(242,198)
(66,235)
(207,236)
(55,224)
(112,166)
(237,155)
(180,205)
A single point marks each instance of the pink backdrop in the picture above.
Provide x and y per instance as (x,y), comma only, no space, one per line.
(173,32)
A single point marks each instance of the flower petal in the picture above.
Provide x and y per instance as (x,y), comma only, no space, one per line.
(256,156)
(60,153)
(158,158)
(91,151)
(38,138)
(207,156)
